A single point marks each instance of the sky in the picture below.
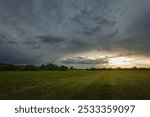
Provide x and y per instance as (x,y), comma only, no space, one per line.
(79,33)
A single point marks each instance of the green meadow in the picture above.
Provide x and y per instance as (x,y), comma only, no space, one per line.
(75,84)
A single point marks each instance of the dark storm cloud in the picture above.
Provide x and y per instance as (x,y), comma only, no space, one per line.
(135,44)
(141,25)
(50,39)
(42,31)
(90,22)
(32,44)
(3,37)
(101,24)
(16,56)
(137,33)
(11,42)
(4,40)
(76,45)
(111,35)
(18,8)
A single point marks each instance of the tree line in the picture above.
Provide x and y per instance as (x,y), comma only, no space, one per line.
(119,68)
(53,67)
(48,67)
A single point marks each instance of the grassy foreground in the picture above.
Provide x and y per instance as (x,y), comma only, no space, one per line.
(80,84)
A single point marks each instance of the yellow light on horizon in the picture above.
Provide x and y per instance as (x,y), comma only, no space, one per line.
(119,61)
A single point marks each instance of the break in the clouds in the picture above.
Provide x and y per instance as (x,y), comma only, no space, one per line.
(44,31)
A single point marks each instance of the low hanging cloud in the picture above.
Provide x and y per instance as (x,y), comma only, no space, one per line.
(84,60)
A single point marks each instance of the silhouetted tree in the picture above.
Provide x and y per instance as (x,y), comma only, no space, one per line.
(71,68)
(63,68)
(7,67)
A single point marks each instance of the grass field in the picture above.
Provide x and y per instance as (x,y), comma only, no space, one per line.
(82,84)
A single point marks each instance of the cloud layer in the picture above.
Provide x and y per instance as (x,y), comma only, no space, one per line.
(43,31)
